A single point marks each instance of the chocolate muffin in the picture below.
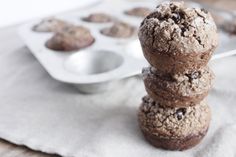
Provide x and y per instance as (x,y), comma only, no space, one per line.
(228,5)
(98,18)
(230,26)
(71,39)
(178,90)
(173,128)
(138,11)
(119,30)
(219,20)
(177,39)
(51,25)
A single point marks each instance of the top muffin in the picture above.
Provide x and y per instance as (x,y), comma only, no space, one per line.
(185,30)
(175,38)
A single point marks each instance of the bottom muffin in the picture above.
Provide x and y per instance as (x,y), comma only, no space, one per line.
(173,128)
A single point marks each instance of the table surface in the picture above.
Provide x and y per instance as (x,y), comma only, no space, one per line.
(11,42)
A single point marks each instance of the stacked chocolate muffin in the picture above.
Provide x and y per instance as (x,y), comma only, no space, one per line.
(177,42)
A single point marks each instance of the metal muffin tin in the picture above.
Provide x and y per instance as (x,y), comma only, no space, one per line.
(108,60)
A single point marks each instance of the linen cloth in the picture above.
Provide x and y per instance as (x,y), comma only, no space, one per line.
(44,114)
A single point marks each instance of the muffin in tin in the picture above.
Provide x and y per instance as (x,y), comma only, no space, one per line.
(173,128)
(119,30)
(51,25)
(98,18)
(178,90)
(138,11)
(230,26)
(71,39)
(176,39)
(219,20)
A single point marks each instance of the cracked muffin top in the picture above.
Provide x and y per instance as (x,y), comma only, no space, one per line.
(173,122)
(138,11)
(71,39)
(98,18)
(119,30)
(51,25)
(173,28)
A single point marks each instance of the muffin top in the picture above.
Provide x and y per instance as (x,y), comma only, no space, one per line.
(69,39)
(119,30)
(230,26)
(98,18)
(176,122)
(138,11)
(173,28)
(51,25)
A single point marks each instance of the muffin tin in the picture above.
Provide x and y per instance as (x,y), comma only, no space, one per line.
(97,67)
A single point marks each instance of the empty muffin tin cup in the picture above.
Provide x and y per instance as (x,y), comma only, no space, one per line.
(94,67)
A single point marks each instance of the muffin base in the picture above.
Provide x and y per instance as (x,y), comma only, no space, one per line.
(173,101)
(177,63)
(174,144)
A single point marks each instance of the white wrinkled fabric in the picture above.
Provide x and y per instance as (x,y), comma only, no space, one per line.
(44,114)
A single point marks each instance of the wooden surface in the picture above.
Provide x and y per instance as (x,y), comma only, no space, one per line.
(11,150)
(9,42)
